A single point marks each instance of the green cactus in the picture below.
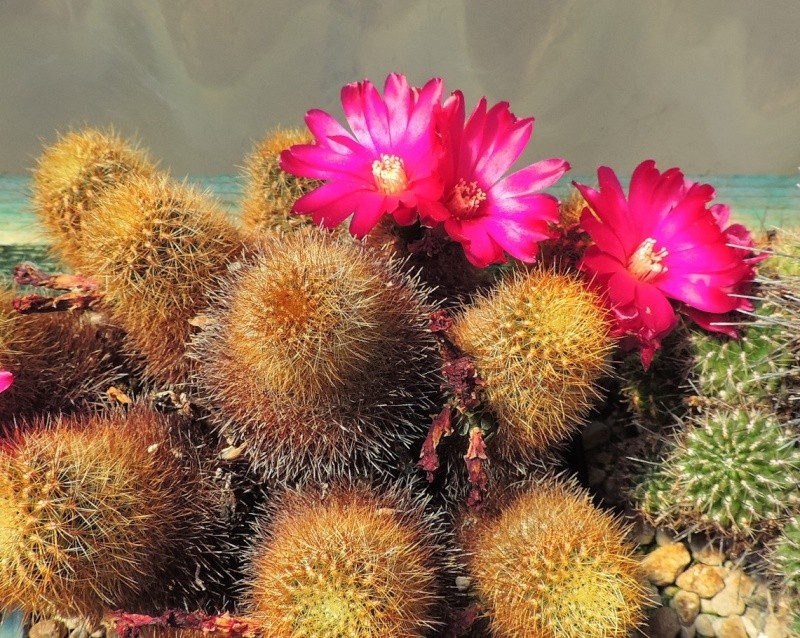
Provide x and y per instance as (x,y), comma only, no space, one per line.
(785,556)
(732,471)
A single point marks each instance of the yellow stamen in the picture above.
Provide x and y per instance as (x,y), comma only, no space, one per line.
(390,176)
(645,263)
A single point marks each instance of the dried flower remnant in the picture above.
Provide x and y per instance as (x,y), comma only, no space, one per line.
(386,165)
(663,243)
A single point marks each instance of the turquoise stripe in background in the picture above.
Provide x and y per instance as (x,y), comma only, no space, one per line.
(761,201)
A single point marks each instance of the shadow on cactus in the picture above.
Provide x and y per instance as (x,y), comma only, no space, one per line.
(316,354)
(549,563)
(97,513)
(732,471)
(71,177)
(348,563)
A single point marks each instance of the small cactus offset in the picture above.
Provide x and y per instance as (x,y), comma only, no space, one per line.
(732,471)
(316,353)
(94,513)
(156,248)
(541,343)
(71,177)
(270,192)
(551,564)
(347,563)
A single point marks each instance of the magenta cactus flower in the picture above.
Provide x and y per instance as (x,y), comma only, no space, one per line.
(664,245)
(6,379)
(490,214)
(387,163)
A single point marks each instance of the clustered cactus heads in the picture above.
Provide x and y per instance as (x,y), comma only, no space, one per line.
(61,362)
(550,564)
(92,513)
(270,192)
(785,555)
(71,177)
(156,247)
(350,562)
(733,471)
(317,355)
(541,342)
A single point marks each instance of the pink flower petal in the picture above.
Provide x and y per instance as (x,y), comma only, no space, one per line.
(6,379)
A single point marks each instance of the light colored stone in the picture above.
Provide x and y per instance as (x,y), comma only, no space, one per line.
(704,580)
(704,624)
(730,601)
(687,605)
(730,627)
(749,627)
(688,632)
(705,606)
(48,629)
(595,434)
(662,623)
(662,566)
(669,591)
(704,551)
(664,537)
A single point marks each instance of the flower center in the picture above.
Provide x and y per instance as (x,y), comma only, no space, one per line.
(645,263)
(390,177)
(465,199)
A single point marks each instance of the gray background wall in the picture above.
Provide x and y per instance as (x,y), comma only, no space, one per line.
(712,86)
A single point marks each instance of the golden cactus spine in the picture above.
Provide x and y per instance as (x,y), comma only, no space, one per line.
(269,191)
(94,513)
(157,247)
(317,355)
(349,563)
(72,175)
(541,342)
(549,564)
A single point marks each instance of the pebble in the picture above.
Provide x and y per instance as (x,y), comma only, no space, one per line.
(704,624)
(730,627)
(663,538)
(730,600)
(687,605)
(704,551)
(774,628)
(642,533)
(688,632)
(704,580)
(662,566)
(48,629)
(662,623)
(749,627)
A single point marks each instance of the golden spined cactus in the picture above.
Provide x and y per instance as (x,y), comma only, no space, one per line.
(270,192)
(349,563)
(62,362)
(550,564)
(541,343)
(316,354)
(94,513)
(70,178)
(156,247)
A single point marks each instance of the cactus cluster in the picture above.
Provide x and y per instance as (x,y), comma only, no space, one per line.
(94,513)
(785,555)
(316,354)
(541,342)
(733,471)
(70,179)
(61,362)
(350,562)
(270,191)
(156,247)
(552,564)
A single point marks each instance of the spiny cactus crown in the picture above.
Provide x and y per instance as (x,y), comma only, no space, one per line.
(735,471)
